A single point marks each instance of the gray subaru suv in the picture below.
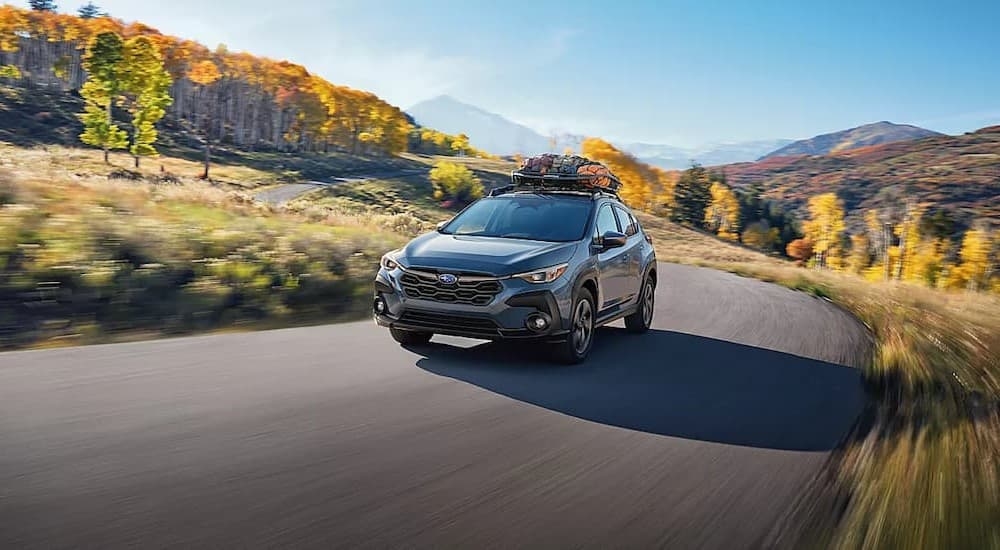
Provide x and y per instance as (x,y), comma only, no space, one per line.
(538,264)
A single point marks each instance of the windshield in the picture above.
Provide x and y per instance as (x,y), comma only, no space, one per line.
(534,217)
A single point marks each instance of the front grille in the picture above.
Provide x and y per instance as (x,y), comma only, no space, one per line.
(425,286)
(442,322)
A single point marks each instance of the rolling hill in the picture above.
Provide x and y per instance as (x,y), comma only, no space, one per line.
(960,174)
(853,138)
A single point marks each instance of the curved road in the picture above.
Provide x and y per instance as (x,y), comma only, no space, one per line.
(290,191)
(699,434)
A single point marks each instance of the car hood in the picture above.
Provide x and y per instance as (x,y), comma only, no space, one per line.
(493,255)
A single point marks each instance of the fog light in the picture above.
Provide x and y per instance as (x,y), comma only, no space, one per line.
(379,306)
(538,322)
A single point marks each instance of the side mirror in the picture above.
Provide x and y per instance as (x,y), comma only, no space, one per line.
(612,239)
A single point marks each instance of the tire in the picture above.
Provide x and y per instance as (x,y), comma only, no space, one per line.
(639,322)
(410,337)
(581,336)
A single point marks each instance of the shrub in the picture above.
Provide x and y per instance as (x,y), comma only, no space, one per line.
(455,182)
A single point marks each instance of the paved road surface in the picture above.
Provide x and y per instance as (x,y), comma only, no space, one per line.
(699,434)
(285,193)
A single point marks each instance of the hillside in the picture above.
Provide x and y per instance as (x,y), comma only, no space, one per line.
(960,174)
(235,99)
(853,138)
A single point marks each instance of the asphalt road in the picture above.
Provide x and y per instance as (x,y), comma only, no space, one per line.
(699,434)
(288,192)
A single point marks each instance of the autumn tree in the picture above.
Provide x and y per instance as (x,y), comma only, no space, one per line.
(692,195)
(761,235)
(722,216)
(89,11)
(879,231)
(460,144)
(455,183)
(978,257)
(43,5)
(204,74)
(637,177)
(908,236)
(146,93)
(825,226)
(926,261)
(860,257)
(258,102)
(800,250)
(104,84)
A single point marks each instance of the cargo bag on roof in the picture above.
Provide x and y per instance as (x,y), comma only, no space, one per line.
(565,172)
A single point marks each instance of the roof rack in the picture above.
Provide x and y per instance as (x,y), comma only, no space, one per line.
(562,182)
(549,189)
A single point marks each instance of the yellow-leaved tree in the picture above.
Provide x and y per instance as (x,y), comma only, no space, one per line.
(860,257)
(825,227)
(637,177)
(909,236)
(723,213)
(978,258)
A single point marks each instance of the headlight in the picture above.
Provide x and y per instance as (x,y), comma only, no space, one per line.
(389,262)
(546,275)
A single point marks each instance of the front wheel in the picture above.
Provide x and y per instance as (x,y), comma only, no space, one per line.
(640,321)
(410,337)
(581,336)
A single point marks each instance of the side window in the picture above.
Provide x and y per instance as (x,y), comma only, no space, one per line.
(631,226)
(605,221)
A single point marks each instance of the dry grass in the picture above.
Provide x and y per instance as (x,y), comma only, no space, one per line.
(86,259)
(923,468)
(57,162)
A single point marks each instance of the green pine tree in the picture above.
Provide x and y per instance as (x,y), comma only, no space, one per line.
(692,195)
(102,63)
(89,11)
(146,93)
(42,5)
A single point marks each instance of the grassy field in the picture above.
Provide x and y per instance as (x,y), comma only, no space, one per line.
(403,204)
(87,258)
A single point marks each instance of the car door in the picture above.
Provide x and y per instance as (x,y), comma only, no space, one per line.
(632,252)
(612,263)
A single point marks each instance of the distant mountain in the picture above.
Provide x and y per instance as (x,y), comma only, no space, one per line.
(954,173)
(845,140)
(487,131)
(670,157)
(495,134)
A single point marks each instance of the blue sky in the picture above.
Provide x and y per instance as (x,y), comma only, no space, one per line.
(683,73)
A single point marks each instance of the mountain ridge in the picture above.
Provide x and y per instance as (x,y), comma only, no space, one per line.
(954,173)
(874,133)
(497,134)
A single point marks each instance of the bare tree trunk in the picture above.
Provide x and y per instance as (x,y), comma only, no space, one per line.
(886,239)
(208,158)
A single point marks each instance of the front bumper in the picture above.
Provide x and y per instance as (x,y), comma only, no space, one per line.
(505,317)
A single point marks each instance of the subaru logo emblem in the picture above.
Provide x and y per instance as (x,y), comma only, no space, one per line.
(447,279)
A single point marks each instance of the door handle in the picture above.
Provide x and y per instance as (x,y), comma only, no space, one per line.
(624,259)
